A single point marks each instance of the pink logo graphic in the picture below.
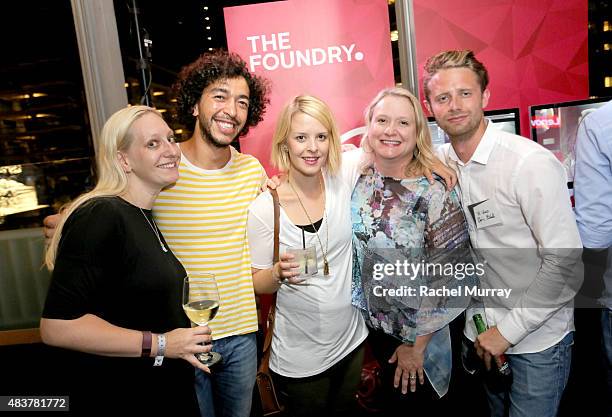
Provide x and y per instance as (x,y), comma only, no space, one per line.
(545,122)
(339,51)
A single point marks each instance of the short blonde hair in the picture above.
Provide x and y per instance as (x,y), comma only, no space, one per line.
(454,59)
(423,158)
(316,109)
(112,180)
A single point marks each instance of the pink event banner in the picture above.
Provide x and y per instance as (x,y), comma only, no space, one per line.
(536,51)
(337,50)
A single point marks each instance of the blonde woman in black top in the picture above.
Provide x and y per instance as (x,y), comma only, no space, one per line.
(116,287)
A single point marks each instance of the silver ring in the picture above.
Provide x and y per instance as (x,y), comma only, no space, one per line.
(412,376)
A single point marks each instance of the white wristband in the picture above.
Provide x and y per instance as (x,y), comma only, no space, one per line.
(161,350)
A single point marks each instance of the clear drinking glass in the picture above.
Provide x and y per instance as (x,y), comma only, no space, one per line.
(201,303)
(306,258)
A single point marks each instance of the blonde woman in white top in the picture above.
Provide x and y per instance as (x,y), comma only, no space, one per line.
(317,345)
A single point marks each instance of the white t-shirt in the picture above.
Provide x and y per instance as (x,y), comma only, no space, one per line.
(316,326)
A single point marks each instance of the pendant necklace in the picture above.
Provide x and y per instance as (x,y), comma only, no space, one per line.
(323,249)
(155,230)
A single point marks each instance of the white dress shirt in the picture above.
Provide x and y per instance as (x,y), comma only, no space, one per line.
(525,186)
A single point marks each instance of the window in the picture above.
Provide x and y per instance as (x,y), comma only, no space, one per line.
(46,151)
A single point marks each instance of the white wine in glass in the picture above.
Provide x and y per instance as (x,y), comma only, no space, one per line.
(201,312)
(201,303)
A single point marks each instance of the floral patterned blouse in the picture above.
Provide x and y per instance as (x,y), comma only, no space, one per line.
(409,220)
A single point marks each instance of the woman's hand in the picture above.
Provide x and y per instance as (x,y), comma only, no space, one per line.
(448,174)
(285,270)
(268,281)
(409,360)
(184,343)
(409,365)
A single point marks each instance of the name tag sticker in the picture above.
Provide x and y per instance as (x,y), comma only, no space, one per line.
(485,214)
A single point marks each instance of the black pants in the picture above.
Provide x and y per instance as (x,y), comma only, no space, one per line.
(330,393)
(465,394)
(424,399)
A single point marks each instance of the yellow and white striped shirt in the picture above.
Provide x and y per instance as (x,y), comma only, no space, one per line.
(203,218)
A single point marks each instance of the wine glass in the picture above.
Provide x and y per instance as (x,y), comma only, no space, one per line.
(201,303)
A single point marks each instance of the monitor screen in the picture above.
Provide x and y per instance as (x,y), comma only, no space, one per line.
(554,126)
(505,119)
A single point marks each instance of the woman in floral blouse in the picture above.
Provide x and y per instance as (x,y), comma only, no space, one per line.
(400,219)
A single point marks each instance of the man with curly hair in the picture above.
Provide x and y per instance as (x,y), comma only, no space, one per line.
(203,215)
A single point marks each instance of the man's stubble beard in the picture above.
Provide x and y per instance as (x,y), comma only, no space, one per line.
(208,137)
(463,133)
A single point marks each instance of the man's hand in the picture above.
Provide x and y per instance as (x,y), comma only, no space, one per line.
(50,224)
(491,344)
(448,174)
(346,147)
(273,183)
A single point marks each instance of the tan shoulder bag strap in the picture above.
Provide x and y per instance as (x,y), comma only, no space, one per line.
(263,367)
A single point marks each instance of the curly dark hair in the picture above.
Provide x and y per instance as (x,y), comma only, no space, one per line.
(210,67)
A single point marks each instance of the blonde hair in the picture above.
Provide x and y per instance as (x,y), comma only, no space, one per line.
(454,59)
(316,109)
(112,180)
(423,156)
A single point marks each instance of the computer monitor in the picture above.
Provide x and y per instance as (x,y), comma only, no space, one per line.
(504,119)
(555,126)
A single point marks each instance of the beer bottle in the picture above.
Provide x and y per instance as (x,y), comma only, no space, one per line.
(503,376)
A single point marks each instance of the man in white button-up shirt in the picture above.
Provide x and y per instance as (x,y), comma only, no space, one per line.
(515,198)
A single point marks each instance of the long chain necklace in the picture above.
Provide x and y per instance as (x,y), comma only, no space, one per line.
(323,249)
(155,230)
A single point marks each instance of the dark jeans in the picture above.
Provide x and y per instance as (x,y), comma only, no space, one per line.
(538,382)
(330,393)
(606,341)
(227,390)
